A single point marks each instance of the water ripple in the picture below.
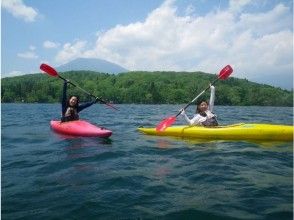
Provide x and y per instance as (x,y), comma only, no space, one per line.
(133,176)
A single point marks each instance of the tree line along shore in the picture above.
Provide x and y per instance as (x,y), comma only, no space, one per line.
(143,88)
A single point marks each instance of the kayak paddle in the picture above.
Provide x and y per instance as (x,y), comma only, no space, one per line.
(52,72)
(223,74)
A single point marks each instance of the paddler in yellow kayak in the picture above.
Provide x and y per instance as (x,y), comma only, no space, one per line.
(204,112)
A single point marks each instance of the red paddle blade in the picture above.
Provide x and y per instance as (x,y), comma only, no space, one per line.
(48,69)
(225,72)
(165,123)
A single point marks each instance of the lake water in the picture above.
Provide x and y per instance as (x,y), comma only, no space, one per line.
(134,176)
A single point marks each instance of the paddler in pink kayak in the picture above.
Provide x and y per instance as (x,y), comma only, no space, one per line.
(204,112)
(72,107)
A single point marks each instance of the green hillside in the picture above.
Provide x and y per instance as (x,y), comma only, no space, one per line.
(143,87)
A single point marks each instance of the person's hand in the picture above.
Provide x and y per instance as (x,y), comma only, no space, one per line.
(66,81)
(211,86)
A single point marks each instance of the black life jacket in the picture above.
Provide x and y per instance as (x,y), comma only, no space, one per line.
(211,121)
(72,115)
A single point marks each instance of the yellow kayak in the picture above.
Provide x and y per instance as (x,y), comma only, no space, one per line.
(265,132)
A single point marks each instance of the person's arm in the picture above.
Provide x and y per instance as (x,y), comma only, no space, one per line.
(212,97)
(86,105)
(193,121)
(63,101)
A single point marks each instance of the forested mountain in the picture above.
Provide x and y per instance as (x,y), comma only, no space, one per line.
(143,87)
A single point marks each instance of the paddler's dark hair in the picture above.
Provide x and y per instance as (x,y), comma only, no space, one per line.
(198,104)
(78,100)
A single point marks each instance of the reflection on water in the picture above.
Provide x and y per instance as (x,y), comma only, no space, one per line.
(135,176)
(85,147)
(169,141)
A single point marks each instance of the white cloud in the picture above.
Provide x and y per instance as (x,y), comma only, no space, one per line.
(237,5)
(19,10)
(190,10)
(32,48)
(279,18)
(28,55)
(49,44)
(71,51)
(254,44)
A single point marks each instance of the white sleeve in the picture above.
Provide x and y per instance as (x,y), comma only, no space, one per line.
(186,118)
(194,120)
(212,97)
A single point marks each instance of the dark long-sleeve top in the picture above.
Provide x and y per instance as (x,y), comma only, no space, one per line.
(64,102)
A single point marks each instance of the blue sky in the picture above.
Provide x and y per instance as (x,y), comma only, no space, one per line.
(254,36)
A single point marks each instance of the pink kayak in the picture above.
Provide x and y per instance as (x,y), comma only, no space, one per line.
(79,128)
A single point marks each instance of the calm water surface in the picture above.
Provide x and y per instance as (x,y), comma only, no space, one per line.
(133,176)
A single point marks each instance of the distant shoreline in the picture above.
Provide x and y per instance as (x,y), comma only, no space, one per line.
(143,88)
(54,103)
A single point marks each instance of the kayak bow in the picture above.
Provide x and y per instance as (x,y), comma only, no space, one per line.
(79,128)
